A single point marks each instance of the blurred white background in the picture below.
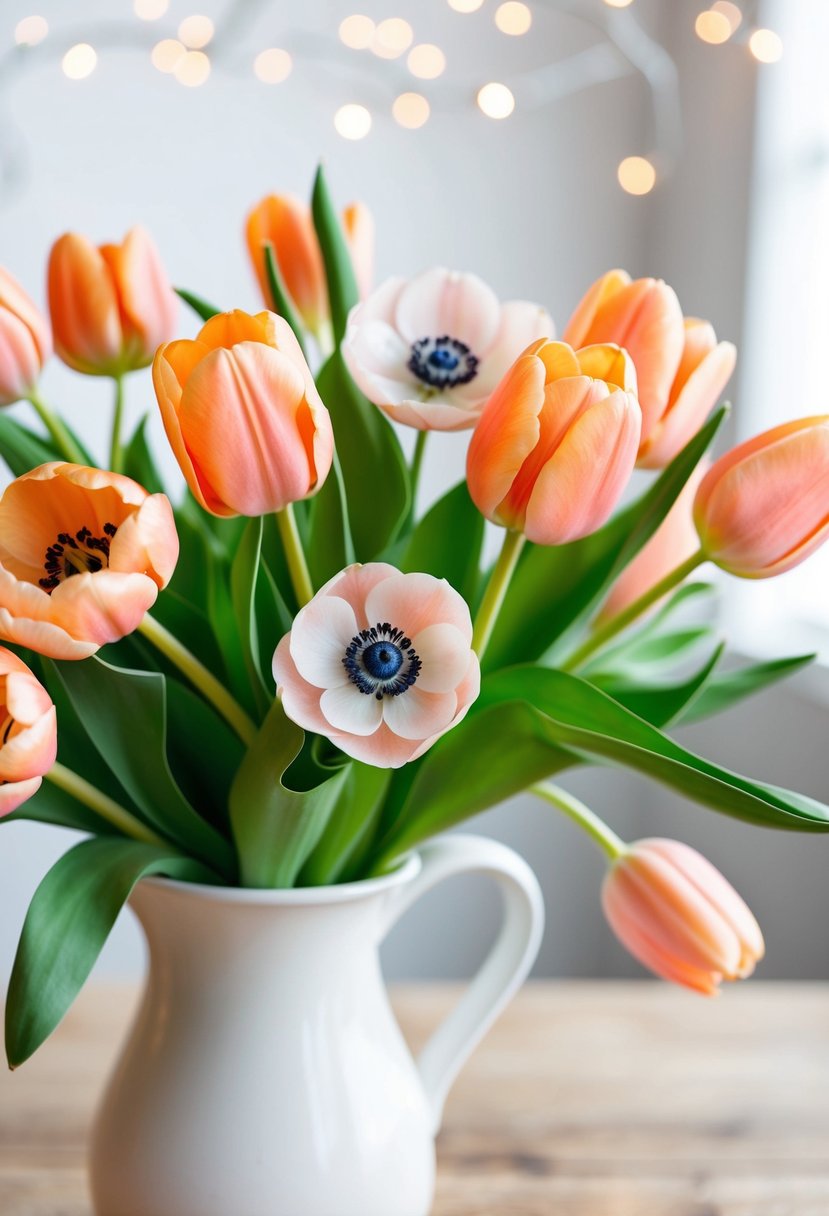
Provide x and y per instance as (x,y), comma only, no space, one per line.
(739,224)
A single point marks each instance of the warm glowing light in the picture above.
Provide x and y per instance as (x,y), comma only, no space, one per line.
(273,65)
(352,121)
(712,27)
(192,69)
(465,6)
(196,32)
(392,37)
(496,100)
(730,11)
(30,31)
(636,175)
(150,10)
(618,3)
(426,61)
(357,31)
(411,110)
(79,61)
(513,18)
(166,54)
(765,46)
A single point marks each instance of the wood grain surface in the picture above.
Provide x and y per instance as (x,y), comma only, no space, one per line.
(587,1099)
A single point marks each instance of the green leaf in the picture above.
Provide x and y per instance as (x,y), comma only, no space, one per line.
(339,270)
(244,575)
(124,714)
(69,919)
(277,827)
(139,463)
(647,653)
(330,547)
(554,589)
(659,704)
(358,811)
(54,806)
(204,754)
(279,293)
(447,542)
(21,449)
(199,306)
(730,687)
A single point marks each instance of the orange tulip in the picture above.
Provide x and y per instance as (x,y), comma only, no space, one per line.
(28,732)
(25,343)
(83,554)
(111,306)
(287,224)
(764,507)
(243,415)
(704,370)
(644,317)
(557,441)
(679,917)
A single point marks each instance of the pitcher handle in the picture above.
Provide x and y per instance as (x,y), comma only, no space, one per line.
(505,967)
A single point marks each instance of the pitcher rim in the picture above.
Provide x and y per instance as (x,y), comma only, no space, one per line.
(332,893)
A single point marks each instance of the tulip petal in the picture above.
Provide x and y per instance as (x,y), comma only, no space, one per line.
(32,752)
(86,320)
(20,361)
(14,795)
(688,411)
(15,300)
(26,698)
(148,302)
(147,541)
(102,607)
(443,302)
(321,634)
(594,299)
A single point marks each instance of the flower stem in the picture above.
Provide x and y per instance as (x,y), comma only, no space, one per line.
(103,805)
(198,675)
(116,454)
(295,555)
(417,463)
(496,590)
(61,438)
(607,840)
(616,624)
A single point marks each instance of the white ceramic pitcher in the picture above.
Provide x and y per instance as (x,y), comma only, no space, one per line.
(266,1075)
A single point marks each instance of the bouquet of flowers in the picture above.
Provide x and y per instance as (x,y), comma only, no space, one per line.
(284,676)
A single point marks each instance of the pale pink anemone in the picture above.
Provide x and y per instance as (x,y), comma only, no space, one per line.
(429,351)
(379,662)
(28,732)
(83,554)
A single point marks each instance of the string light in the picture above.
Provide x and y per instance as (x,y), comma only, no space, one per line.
(712,27)
(192,69)
(513,18)
(496,100)
(765,46)
(730,11)
(392,37)
(352,121)
(79,61)
(426,61)
(273,65)
(411,110)
(166,54)
(465,6)
(636,175)
(357,31)
(150,10)
(195,32)
(31,30)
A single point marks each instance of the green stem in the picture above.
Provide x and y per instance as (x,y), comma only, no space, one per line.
(198,675)
(61,438)
(599,637)
(417,462)
(295,555)
(103,805)
(607,840)
(116,454)
(496,590)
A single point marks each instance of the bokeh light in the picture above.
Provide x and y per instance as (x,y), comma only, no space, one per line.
(31,30)
(765,46)
(79,61)
(352,121)
(150,10)
(192,69)
(426,61)
(411,110)
(712,27)
(496,100)
(357,31)
(196,31)
(636,175)
(513,18)
(166,54)
(273,65)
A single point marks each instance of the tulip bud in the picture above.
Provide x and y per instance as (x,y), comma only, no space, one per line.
(25,343)
(764,506)
(679,917)
(112,306)
(243,415)
(557,442)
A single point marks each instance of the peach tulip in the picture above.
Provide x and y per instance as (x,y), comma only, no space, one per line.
(679,917)
(704,370)
(645,318)
(379,662)
(25,342)
(430,351)
(111,306)
(243,415)
(83,554)
(28,732)
(557,442)
(763,507)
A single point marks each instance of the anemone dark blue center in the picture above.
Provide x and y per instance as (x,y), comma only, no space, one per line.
(443,362)
(381,661)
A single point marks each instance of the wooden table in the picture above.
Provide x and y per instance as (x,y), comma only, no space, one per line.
(588,1099)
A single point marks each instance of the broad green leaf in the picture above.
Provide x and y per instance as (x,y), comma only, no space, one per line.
(69,919)
(54,806)
(554,589)
(204,754)
(200,307)
(339,271)
(277,827)
(650,652)
(447,542)
(139,463)
(728,688)
(184,620)
(335,858)
(659,703)
(330,547)
(244,575)
(20,449)
(282,301)
(124,714)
